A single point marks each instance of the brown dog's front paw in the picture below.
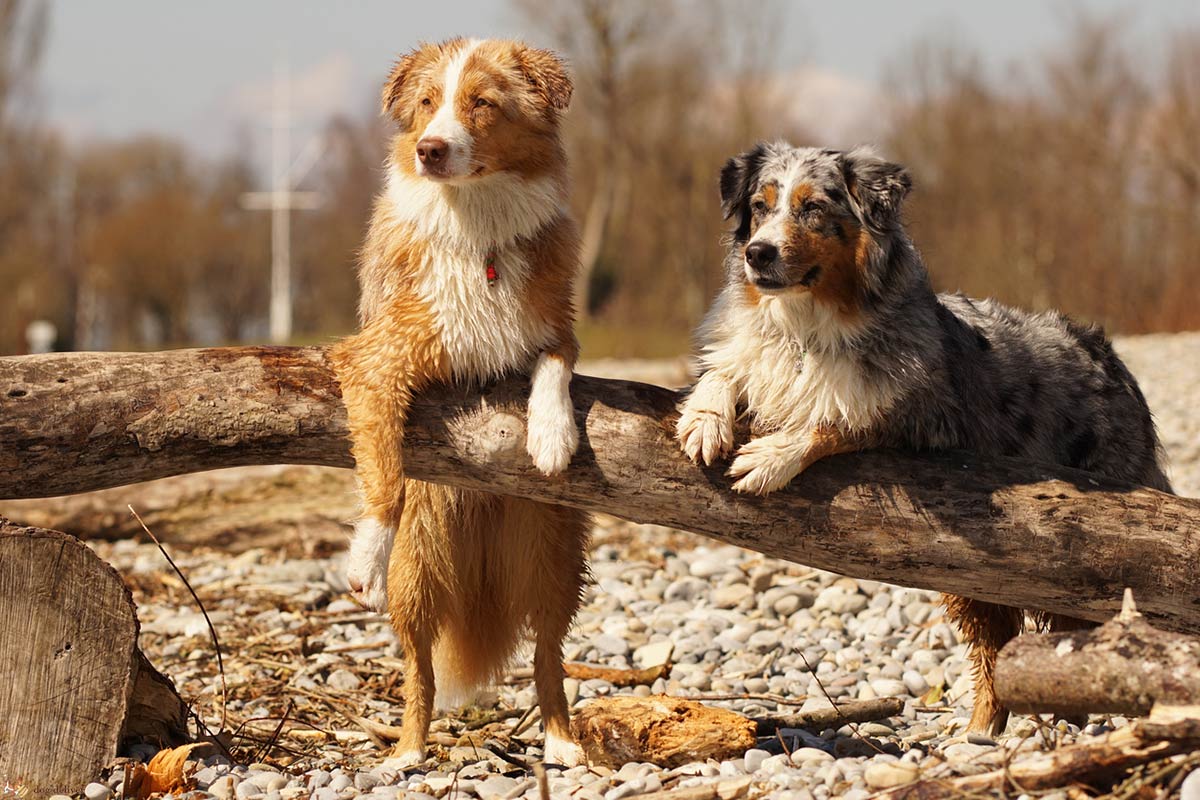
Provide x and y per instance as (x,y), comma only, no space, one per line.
(367,563)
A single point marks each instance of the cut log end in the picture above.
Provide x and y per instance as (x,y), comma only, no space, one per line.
(80,688)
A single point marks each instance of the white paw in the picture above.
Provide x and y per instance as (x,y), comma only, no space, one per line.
(704,433)
(563,752)
(551,441)
(766,464)
(403,761)
(367,563)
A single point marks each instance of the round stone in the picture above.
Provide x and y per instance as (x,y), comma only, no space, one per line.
(97,791)
(754,759)
(889,774)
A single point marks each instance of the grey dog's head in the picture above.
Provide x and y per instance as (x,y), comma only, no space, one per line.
(811,220)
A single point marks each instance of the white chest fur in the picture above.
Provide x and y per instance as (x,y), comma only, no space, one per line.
(781,383)
(487,329)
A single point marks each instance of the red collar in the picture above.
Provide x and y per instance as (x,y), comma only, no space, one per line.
(489,264)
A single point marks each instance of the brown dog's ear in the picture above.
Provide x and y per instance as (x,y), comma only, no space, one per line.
(395,82)
(877,185)
(546,72)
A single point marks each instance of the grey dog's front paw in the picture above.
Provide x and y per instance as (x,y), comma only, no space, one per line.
(704,433)
(766,464)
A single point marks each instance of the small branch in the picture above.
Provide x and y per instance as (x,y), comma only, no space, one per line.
(846,711)
(211,630)
(614,675)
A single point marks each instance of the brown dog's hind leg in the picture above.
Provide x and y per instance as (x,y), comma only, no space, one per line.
(554,590)
(419,691)
(985,627)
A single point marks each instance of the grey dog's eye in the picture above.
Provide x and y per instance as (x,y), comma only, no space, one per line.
(759,207)
(812,207)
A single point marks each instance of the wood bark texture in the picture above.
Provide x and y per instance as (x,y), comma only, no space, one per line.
(75,684)
(1003,530)
(1126,666)
(662,730)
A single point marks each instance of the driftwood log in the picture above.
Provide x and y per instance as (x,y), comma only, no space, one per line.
(950,522)
(74,686)
(1126,666)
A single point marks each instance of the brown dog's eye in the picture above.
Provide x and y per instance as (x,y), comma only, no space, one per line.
(426,102)
(481,103)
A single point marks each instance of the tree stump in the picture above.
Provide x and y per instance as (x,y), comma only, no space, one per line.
(75,686)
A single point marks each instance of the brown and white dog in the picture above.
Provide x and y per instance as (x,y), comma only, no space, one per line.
(467,275)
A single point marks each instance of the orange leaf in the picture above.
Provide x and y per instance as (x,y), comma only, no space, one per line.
(164,773)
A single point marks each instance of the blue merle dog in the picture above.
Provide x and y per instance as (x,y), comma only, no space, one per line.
(828,336)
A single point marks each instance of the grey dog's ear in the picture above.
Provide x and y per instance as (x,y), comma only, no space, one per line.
(877,185)
(739,177)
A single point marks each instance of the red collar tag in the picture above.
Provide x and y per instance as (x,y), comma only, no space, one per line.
(490,265)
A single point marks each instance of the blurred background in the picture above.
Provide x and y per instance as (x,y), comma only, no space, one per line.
(157,159)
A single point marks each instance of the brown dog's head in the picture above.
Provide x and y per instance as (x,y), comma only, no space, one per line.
(809,219)
(469,108)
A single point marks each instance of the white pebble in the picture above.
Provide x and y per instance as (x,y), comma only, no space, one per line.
(343,680)
(887,775)
(1190,789)
(754,759)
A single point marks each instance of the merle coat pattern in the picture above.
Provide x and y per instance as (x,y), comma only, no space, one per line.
(829,337)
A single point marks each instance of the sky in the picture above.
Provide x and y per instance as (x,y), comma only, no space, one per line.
(203,72)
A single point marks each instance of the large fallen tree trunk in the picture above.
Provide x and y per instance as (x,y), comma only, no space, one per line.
(1004,530)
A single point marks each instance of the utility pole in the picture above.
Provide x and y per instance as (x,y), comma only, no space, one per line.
(280,201)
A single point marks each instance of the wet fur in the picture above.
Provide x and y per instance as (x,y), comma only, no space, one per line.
(840,344)
(466,575)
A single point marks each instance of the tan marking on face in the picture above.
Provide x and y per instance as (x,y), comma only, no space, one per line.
(770,194)
(840,258)
(800,195)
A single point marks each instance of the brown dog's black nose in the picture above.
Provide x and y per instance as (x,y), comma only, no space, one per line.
(760,255)
(432,151)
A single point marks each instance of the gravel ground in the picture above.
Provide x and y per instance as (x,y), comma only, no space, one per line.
(760,636)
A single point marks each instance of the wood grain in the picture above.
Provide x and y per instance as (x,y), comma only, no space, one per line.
(74,683)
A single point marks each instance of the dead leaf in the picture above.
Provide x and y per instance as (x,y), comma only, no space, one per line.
(933,696)
(164,773)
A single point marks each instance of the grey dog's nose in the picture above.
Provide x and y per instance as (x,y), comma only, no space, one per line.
(432,151)
(760,255)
